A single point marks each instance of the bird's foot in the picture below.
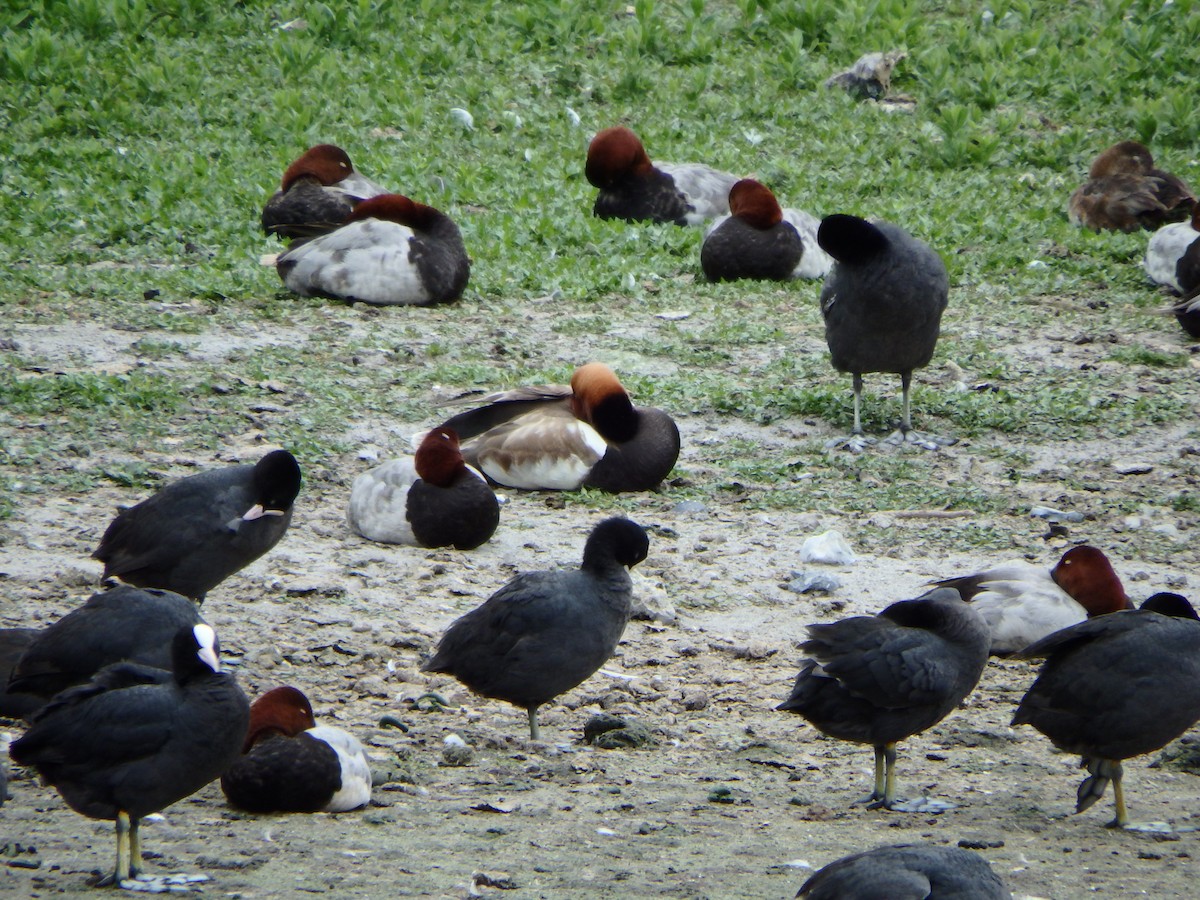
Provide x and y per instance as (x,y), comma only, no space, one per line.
(164,884)
(855,443)
(918,439)
(1143,827)
(925,805)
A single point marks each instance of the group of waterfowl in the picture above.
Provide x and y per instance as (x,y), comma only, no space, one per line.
(129,711)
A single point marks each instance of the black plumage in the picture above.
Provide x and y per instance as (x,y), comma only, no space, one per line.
(134,740)
(15,703)
(123,624)
(313,775)
(543,633)
(196,532)
(735,249)
(879,679)
(1115,687)
(882,303)
(907,872)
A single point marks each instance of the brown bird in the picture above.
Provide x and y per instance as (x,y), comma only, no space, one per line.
(1125,192)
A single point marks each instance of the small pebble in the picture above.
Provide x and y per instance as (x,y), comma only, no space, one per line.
(1047,512)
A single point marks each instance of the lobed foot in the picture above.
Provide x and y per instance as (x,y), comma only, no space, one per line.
(1143,827)
(165,884)
(919,439)
(855,443)
(926,805)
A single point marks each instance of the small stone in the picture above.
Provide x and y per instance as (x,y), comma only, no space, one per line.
(456,752)
(1059,515)
(816,583)
(695,700)
(829,549)
(1133,468)
(689,507)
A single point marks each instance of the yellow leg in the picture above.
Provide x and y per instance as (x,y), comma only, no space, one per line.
(1122,818)
(889,790)
(122,870)
(534,734)
(135,847)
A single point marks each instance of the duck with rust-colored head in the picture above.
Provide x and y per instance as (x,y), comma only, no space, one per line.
(1125,192)
(391,251)
(1023,603)
(761,240)
(289,763)
(431,499)
(316,194)
(636,190)
(558,437)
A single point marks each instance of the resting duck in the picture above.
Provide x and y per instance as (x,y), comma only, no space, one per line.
(432,499)
(760,240)
(134,740)
(562,438)
(391,251)
(879,679)
(543,633)
(882,303)
(1168,251)
(907,872)
(1125,192)
(291,764)
(1023,603)
(196,532)
(1116,687)
(318,191)
(635,189)
(122,624)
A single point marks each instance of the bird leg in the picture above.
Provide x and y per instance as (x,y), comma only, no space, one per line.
(121,872)
(534,734)
(905,433)
(884,795)
(884,777)
(1102,772)
(856,441)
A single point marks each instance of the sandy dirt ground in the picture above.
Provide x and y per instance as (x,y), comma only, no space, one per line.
(732,799)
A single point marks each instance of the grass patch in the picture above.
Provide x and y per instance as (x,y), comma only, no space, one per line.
(137,158)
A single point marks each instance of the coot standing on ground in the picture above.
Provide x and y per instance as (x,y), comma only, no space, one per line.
(543,633)
(1115,687)
(132,742)
(879,679)
(882,302)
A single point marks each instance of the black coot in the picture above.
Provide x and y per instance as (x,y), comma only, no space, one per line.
(123,624)
(1115,687)
(196,532)
(545,632)
(134,740)
(882,302)
(879,679)
(907,872)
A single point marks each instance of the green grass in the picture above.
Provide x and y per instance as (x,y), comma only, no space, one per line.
(141,139)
